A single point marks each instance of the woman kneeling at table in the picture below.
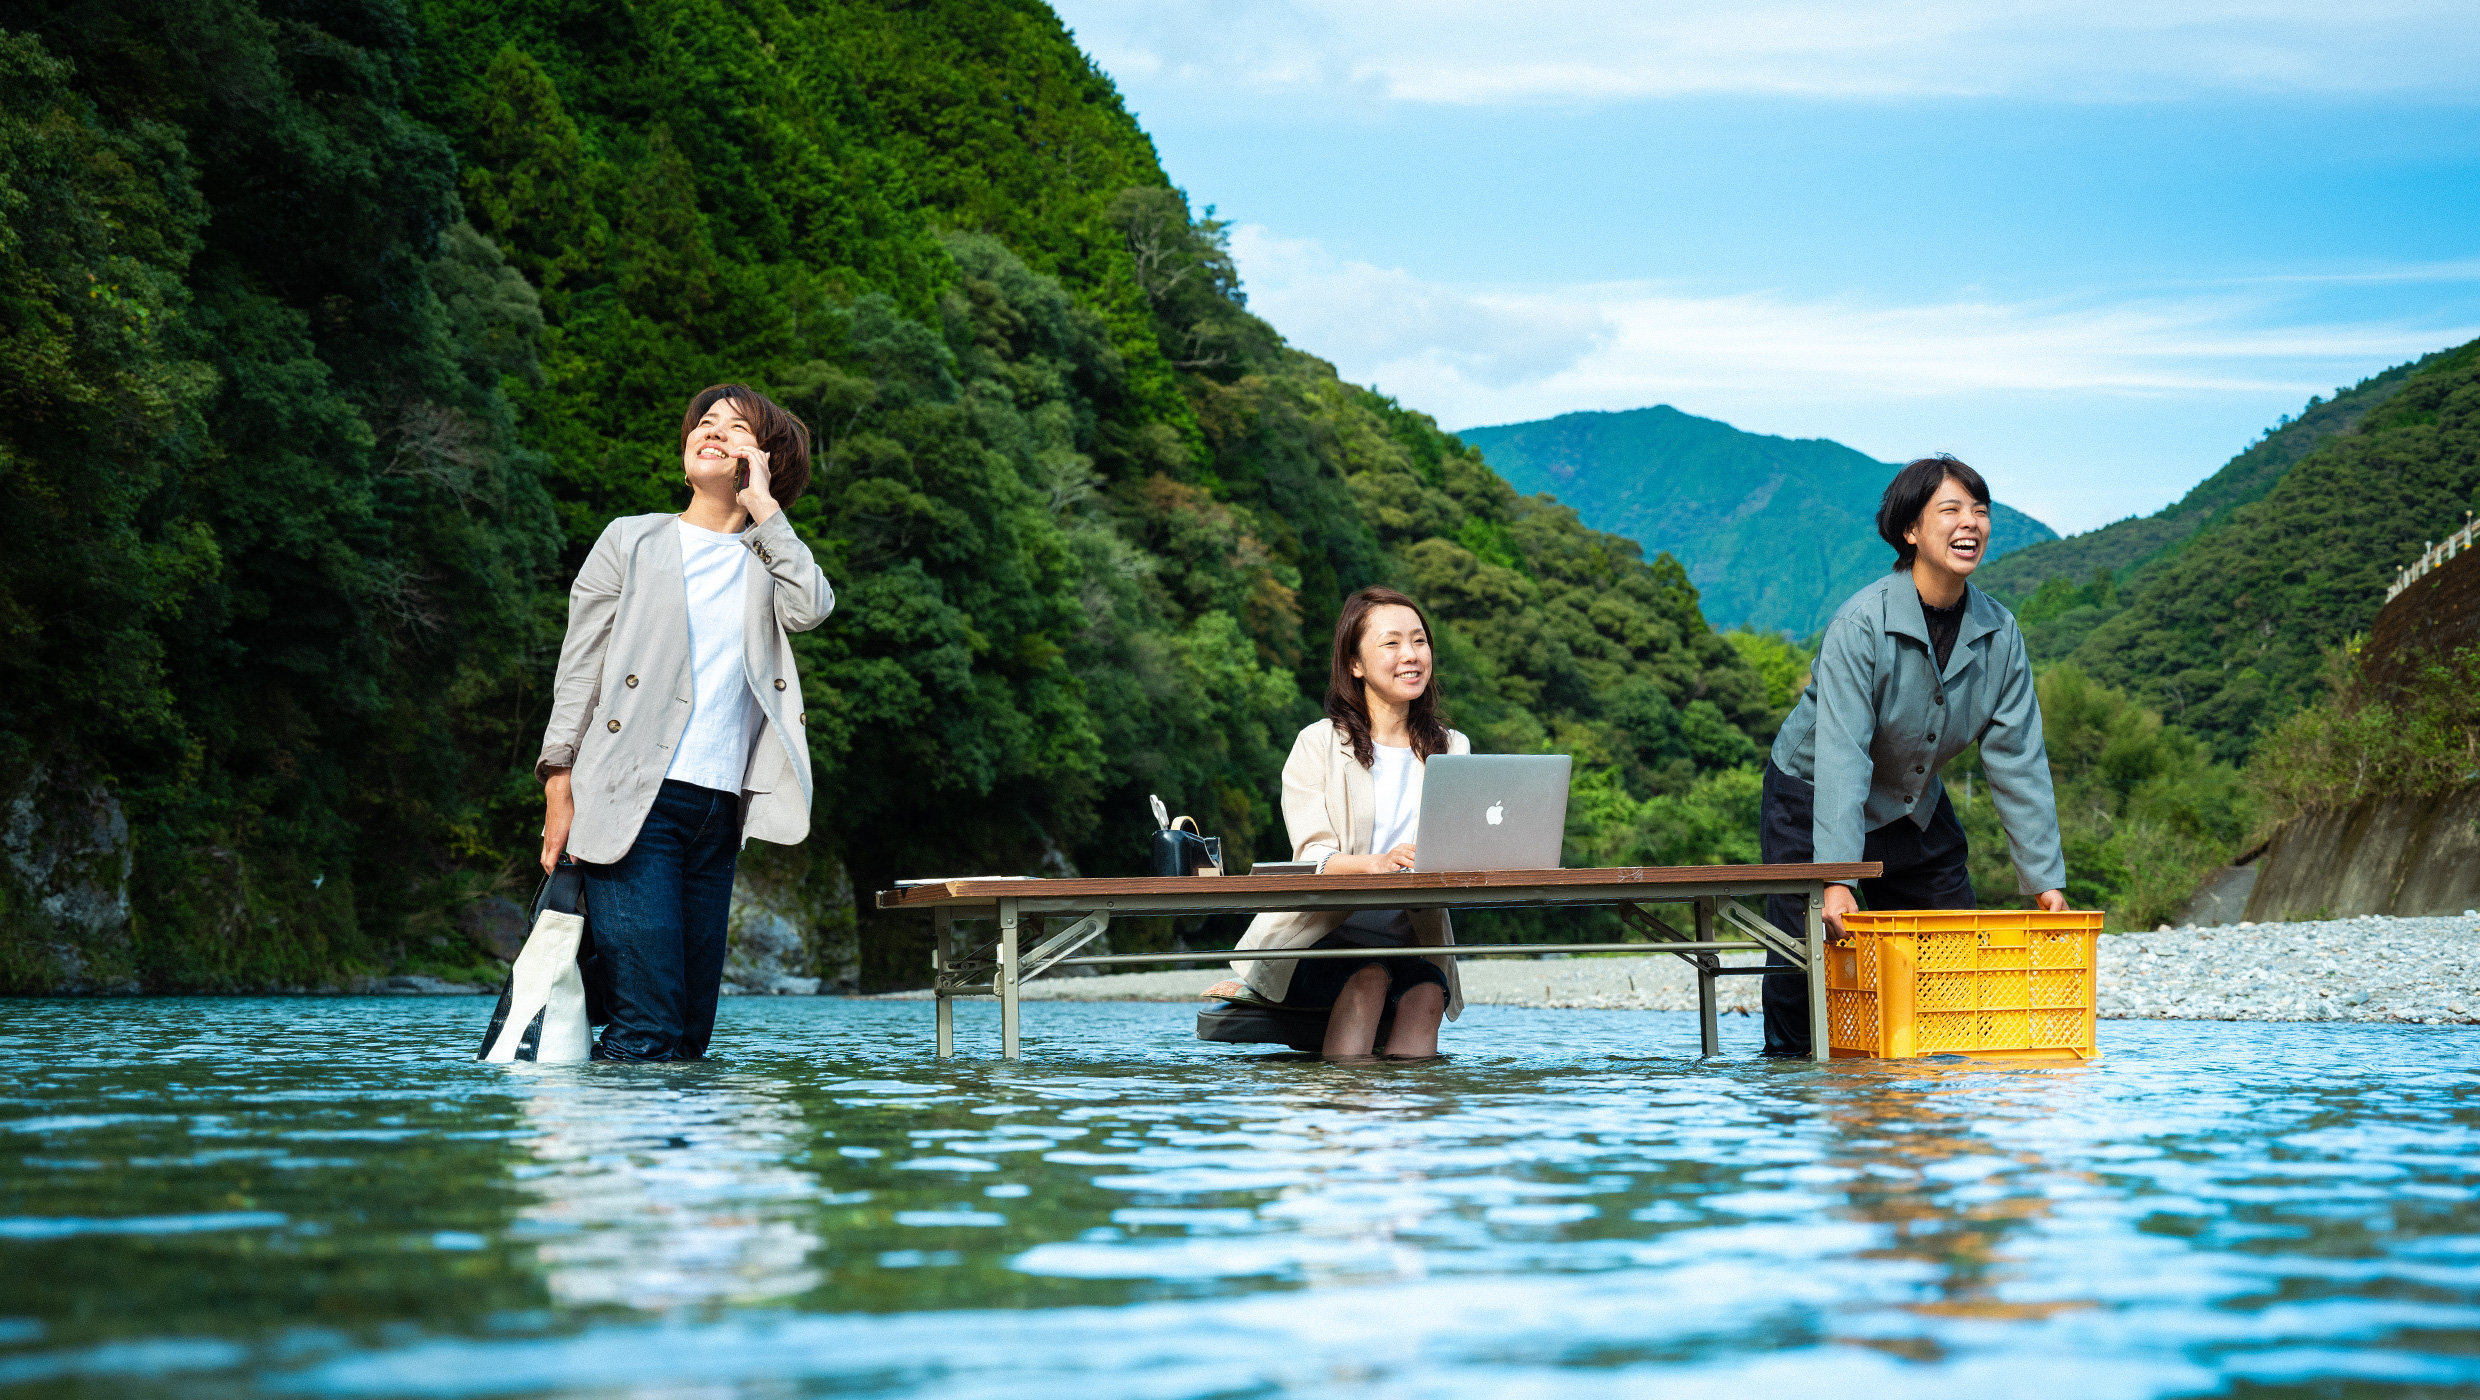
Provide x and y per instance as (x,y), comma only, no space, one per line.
(1352,802)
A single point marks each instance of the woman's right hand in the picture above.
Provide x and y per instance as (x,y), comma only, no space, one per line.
(1839,901)
(559,814)
(1385,863)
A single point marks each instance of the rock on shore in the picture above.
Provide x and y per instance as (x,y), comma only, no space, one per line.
(2370,969)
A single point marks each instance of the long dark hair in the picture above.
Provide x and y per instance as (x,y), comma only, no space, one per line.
(1428,720)
(1910,493)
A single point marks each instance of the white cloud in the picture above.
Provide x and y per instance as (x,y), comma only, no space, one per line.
(1470,52)
(2053,388)
(1476,353)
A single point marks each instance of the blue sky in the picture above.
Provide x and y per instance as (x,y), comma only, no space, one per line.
(2092,248)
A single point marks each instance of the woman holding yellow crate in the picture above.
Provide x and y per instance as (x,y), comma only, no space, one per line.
(1915,668)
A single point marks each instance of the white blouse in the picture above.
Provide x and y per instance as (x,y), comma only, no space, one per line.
(1398,821)
(1399,818)
(723,721)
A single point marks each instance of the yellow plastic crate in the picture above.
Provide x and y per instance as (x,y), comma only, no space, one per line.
(2006,983)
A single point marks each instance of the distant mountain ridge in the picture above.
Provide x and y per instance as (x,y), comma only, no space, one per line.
(2136,542)
(2228,632)
(1775,532)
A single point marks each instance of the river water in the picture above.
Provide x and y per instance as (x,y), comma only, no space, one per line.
(326,1197)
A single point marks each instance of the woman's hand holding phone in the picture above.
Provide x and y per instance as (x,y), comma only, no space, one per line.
(751,482)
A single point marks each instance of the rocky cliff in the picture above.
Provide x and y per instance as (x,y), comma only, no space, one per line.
(2397,855)
(2402,853)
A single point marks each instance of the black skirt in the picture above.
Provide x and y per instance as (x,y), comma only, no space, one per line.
(1316,982)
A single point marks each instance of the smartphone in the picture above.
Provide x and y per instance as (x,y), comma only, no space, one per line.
(740,475)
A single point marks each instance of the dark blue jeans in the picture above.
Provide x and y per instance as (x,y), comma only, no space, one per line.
(659,914)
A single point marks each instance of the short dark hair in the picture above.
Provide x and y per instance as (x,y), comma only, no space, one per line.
(1910,493)
(781,435)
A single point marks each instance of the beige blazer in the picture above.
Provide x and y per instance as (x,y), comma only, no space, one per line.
(621,699)
(1330,807)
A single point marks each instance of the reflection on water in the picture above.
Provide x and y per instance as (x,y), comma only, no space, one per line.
(654,1196)
(327,1198)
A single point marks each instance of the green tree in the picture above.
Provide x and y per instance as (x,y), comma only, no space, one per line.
(393,309)
(338,542)
(2230,635)
(2144,810)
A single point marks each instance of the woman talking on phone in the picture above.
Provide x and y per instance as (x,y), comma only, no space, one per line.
(676,722)
(1914,668)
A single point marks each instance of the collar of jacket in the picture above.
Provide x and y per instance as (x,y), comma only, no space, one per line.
(664,556)
(1904,617)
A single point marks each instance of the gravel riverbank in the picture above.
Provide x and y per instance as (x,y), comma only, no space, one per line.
(2371,969)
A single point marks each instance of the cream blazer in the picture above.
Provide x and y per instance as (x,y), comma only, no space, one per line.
(1330,807)
(622,696)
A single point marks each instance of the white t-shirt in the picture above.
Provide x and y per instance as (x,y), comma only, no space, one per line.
(723,715)
(1399,818)
(1397,821)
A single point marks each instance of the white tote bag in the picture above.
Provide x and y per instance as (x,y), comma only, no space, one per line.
(541,1014)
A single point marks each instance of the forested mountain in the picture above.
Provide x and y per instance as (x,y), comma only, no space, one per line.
(2228,635)
(333,332)
(1775,532)
(2127,546)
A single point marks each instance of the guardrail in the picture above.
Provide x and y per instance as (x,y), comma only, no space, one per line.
(2437,553)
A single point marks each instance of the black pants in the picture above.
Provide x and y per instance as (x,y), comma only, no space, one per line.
(1924,870)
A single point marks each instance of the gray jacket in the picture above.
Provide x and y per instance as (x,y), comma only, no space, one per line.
(622,695)
(1878,721)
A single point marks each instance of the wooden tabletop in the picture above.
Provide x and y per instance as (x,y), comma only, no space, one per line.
(1201,893)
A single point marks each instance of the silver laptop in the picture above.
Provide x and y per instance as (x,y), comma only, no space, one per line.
(1493,811)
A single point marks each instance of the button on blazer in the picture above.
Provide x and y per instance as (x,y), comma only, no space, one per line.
(622,696)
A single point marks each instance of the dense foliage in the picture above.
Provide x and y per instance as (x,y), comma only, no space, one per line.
(274,549)
(2144,811)
(336,331)
(2232,613)
(2219,610)
(1775,532)
(2230,636)
(2416,739)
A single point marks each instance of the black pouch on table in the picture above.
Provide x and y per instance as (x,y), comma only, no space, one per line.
(1184,852)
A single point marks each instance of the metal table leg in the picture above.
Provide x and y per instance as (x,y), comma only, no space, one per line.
(1009,1047)
(1708,1010)
(942,955)
(1817,1048)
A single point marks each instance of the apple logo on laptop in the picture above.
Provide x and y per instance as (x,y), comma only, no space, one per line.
(1496,814)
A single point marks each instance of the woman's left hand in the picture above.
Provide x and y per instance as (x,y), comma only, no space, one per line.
(754,497)
(2055,901)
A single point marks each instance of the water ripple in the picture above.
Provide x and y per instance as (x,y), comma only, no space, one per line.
(1571,1205)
